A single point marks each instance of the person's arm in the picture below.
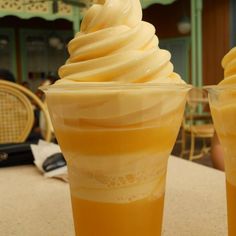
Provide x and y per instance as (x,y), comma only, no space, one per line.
(217,155)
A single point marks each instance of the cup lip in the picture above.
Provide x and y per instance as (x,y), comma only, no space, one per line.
(220,88)
(73,87)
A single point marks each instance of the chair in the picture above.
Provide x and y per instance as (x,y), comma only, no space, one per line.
(197,124)
(17,113)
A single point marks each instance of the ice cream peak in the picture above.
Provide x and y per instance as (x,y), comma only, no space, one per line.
(229,66)
(115,45)
(112,13)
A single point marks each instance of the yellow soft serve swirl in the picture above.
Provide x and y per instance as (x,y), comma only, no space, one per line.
(229,66)
(115,45)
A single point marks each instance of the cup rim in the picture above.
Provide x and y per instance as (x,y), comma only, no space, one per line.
(220,88)
(72,87)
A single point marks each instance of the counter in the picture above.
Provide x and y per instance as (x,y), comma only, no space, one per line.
(31,205)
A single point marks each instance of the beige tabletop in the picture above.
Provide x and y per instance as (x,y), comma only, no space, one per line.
(31,205)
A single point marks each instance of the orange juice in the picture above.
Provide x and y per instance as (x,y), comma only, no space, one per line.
(231,206)
(159,137)
(125,217)
(139,218)
(117,145)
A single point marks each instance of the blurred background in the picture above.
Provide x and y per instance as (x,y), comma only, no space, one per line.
(34,35)
(33,44)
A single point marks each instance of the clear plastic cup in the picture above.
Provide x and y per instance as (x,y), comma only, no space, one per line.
(223,109)
(116,139)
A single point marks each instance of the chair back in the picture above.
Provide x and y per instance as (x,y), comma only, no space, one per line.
(32,99)
(197,124)
(197,109)
(16,115)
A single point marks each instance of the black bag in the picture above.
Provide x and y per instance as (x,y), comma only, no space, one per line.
(13,154)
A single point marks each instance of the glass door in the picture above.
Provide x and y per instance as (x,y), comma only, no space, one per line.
(8,50)
(42,53)
(233,23)
(179,48)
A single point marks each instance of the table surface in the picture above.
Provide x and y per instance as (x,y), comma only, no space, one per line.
(30,204)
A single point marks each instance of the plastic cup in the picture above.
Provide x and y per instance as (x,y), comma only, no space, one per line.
(116,139)
(222,101)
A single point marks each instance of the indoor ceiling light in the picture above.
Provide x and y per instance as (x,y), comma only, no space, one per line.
(184,25)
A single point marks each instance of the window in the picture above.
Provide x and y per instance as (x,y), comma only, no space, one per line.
(42,53)
(233,23)
(179,49)
(7,50)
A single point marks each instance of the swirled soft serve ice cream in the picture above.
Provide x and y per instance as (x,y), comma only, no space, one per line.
(114,44)
(116,112)
(223,108)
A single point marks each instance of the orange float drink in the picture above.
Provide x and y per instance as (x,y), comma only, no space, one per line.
(116,112)
(223,109)
(222,99)
(117,145)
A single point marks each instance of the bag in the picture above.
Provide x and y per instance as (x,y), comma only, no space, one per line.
(13,154)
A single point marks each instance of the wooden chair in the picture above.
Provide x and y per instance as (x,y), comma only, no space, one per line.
(197,124)
(16,113)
